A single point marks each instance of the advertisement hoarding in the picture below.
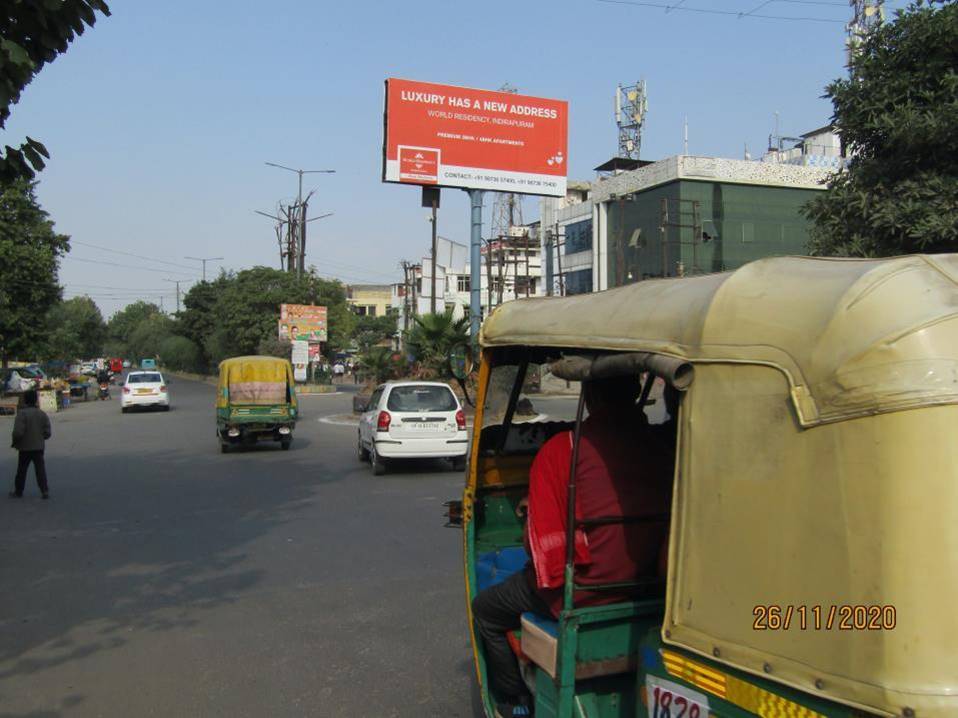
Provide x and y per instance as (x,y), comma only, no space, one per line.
(474,139)
(302,321)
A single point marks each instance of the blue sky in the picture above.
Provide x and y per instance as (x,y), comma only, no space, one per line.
(160,119)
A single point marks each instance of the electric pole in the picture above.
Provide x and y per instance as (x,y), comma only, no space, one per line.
(300,210)
(177,283)
(204,260)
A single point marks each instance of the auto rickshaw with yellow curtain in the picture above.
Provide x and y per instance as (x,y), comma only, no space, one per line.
(255,400)
(812,540)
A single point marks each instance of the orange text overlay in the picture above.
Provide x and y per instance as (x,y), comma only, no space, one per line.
(823,617)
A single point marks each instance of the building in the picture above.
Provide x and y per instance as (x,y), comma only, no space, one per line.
(369,300)
(567,240)
(818,148)
(691,215)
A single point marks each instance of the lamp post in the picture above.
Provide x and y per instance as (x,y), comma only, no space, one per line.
(204,260)
(302,209)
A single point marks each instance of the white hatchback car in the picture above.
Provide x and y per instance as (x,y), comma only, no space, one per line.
(412,420)
(144,388)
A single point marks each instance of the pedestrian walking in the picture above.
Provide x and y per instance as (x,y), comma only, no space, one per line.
(31,429)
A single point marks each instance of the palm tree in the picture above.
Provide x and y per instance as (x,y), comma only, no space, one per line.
(380,363)
(433,337)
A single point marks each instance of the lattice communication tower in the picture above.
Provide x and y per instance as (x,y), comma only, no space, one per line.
(631,104)
(866,16)
(507,207)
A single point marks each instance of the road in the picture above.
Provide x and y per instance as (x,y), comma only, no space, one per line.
(166,579)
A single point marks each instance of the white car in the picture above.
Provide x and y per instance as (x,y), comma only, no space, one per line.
(412,420)
(144,388)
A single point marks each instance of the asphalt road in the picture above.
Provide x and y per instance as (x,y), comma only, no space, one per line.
(166,579)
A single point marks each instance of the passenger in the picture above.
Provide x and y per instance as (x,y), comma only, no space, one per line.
(617,475)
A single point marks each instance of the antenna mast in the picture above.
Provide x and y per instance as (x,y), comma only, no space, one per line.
(866,16)
(507,207)
(631,104)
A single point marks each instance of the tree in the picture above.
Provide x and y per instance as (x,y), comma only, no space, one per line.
(33,34)
(898,115)
(432,338)
(247,308)
(370,331)
(75,330)
(180,354)
(147,338)
(273,346)
(122,325)
(29,259)
(381,363)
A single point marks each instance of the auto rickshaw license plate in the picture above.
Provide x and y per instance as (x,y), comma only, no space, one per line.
(670,700)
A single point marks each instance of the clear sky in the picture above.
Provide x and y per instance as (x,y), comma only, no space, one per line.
(159,120)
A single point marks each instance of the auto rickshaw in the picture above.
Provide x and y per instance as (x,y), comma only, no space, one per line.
(255,400)
(812,546)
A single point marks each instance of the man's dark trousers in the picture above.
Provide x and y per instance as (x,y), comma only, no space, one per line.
(23,463)
(499,609)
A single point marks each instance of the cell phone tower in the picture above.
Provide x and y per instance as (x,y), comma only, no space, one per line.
(507,207)
(631,104)
(866,16)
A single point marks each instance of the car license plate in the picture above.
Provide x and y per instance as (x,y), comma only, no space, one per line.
(670,700)
(426,426)
(144,391)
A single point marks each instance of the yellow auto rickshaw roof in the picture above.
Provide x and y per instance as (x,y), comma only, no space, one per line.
(248,376)
(853,336)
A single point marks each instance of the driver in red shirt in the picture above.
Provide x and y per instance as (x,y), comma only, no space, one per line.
(617,475)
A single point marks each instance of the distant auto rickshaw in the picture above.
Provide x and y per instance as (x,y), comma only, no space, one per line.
(255,400)
(812,546)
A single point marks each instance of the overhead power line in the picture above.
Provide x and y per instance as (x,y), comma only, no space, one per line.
(714,11)
(126,266)
(131,254)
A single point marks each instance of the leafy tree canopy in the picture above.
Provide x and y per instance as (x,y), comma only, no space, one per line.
(898,115)
(146,339)
(32,34)
(122,325)
(370,331)
(29,260)
(75,330)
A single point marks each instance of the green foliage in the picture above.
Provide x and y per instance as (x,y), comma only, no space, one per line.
(29,260)
(146,339)
(370,331)
(432,338)
(32,34)
(233,315)
(75,330)
(273,346)
(898,114)
(381,363)
(121,326)
(180,354)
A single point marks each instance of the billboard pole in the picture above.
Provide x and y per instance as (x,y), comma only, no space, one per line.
(475,259)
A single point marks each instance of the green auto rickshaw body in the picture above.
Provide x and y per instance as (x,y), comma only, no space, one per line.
(812,551)
(255,399)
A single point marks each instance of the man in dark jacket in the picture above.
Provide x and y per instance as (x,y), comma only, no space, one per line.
(31,429)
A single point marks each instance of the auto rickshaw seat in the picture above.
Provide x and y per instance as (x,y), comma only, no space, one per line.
(494,567)
(541,637)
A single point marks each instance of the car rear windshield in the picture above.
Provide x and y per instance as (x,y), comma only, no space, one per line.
(421,398)
(144,379)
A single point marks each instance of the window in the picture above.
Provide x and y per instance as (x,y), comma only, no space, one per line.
(422,397)
(144,379)
(578,236)
(462,283)
(578,282)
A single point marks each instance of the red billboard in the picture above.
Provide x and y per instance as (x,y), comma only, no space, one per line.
(474,139)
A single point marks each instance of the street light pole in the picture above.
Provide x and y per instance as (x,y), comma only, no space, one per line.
(177,283)
(204,260)
(301,208)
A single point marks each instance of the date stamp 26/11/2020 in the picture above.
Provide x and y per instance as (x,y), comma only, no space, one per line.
(824,617)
